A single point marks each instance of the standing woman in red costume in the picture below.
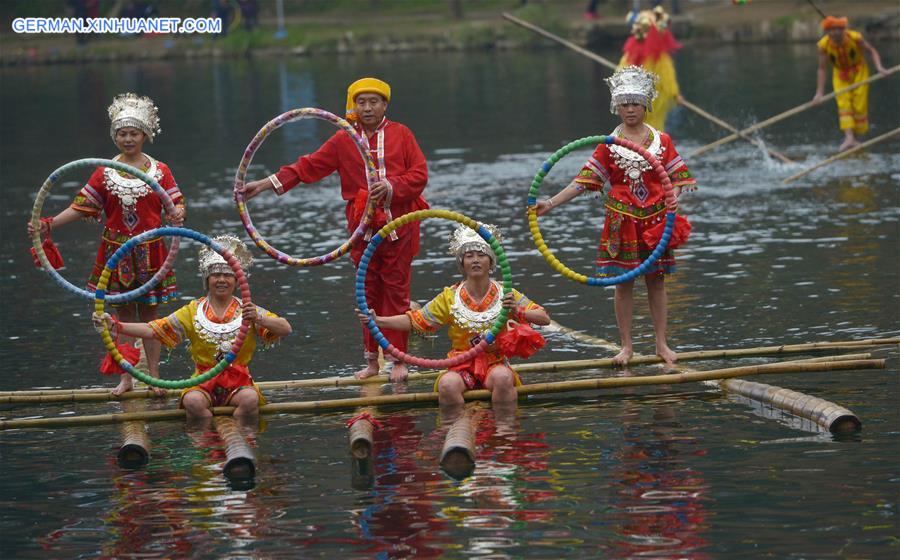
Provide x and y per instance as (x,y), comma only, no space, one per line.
(635,205)
(402,173)
(130,207)
(651,46)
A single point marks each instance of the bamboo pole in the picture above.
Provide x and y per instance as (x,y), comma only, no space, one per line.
(609,64)
(458,454)
(789,113)
(101,394)
(135,450)
(421,398)
(361,435)
(836,419)
(240,463)
(842,155)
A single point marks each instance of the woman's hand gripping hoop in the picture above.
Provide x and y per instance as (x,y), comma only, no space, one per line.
(241,174)
(671,209)
(499,322)
(36,221)
(100,297)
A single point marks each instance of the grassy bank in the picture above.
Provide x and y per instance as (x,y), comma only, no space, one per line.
(346,26)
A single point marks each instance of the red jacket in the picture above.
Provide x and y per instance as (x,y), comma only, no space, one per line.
(404,163)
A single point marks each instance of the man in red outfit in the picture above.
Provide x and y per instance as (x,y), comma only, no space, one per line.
(402,176)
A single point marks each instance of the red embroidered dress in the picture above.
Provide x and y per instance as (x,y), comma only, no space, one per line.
(635,202)
(131,207)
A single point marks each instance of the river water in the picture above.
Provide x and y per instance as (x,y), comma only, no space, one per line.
(675,471)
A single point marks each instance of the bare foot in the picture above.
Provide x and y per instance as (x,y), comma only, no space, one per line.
(399,372)
(368,371)
(623,357)
(667,354)
(159,392)
(126,383)
(847,144)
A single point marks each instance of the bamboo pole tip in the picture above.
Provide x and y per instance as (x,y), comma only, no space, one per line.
(845,424)
(361,448)
(132,456)
(458,462)
(239,469)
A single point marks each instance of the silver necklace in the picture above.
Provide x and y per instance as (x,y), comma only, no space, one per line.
(474,321)
(220,335)
(129,190)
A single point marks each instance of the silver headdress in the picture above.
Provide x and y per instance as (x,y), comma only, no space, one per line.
(130,109)
(632,84)
(464,239)
(212,262)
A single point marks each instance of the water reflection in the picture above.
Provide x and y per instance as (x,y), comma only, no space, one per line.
(660,504)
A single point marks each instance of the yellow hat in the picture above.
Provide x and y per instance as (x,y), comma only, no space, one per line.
(365,85)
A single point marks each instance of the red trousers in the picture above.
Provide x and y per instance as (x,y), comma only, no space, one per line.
(387,286)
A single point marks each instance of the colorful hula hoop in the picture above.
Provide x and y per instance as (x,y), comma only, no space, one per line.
(241,174)
(100,297)
(671,208)
(499,322)
(36,221)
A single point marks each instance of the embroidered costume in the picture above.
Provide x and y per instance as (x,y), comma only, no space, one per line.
(849,67)
(402,165)
(131,207)
(468,320)
(636,201)
(650,46)
(209,336)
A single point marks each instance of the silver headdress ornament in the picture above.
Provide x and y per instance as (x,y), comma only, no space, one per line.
(212,262)
(465,239)
(632,84)
(130,109)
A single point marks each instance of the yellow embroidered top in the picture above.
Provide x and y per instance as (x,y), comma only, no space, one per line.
(438,312)
(180,326)
(847,58)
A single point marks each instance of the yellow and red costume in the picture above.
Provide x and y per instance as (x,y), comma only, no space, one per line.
(650,46)
(131,207)
(635,202)
(442,310)
(849,67)
(186,325)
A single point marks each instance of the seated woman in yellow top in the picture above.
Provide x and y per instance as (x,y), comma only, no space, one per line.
(209,325)
(844,49)
(470,308)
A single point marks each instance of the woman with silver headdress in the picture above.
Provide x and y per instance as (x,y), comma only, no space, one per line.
(470,308)
(130,207)
(209,325)
(635,204)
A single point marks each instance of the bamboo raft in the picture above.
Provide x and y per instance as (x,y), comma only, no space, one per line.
(430,398)
(100,394)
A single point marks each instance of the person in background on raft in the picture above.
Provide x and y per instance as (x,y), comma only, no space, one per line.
(470,308)
(130,207)
(651,46)
(844,49)
(635,205)
(402,173)
(209,325)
